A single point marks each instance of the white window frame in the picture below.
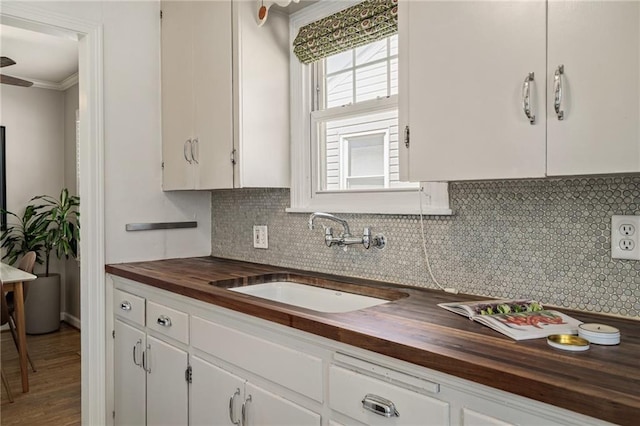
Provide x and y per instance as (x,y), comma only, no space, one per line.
(305,197)
(345,155)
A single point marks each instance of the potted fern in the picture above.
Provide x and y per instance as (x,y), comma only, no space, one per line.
(48,226)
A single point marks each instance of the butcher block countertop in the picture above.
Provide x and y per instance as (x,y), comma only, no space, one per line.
(603,382)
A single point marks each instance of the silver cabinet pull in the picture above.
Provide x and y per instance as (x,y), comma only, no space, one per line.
(125,306)
(164,321)
(526,98)
(557,89)
(406,136)
(184,150)
(146,360)
(380,406)
(135,358)
(245,415)
(231,401)
(195,150)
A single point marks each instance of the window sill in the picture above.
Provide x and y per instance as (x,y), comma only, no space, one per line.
(427,211)
(435,201)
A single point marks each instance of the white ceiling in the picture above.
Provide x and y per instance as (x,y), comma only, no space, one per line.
(48,60)
(39,57)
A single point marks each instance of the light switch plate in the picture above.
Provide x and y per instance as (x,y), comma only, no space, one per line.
(625,237)
(260,236)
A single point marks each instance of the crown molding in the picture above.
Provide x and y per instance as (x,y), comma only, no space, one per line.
(51,85)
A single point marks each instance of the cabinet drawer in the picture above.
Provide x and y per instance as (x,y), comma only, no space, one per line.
(290,368)
(129,306)
(168,321)
(348,389)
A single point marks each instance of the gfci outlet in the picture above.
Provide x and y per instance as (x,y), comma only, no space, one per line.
(260,236)
(625,231)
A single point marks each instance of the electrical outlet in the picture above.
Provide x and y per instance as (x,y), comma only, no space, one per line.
(260,236)
(624,237)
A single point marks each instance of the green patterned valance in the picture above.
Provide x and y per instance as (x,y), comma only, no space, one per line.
(364,23)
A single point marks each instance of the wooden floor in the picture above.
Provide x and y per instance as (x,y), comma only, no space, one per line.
(54,395)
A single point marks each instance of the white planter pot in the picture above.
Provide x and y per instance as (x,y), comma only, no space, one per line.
(42,306)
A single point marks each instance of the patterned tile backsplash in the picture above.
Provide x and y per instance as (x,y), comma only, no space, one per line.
(544,239)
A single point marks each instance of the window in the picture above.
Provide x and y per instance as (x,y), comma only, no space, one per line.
(346,139)
(364,163)
(357,94)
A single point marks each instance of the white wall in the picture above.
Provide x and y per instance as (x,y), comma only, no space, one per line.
(71,285)
(34,121)
(132,139)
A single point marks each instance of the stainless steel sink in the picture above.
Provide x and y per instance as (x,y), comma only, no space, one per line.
(310,297)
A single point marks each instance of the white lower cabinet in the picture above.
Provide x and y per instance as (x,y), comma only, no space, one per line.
(246,371)
(167,386)
(150,381)
(377,402)
(130,378)
(218,397)
(215,396)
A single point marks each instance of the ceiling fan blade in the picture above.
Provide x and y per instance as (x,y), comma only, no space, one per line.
(7,79)
(5,61)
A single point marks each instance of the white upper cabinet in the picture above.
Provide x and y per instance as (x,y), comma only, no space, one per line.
(598,42)
(466,63)
(177,96)
(225,96)
(471,68)
(261,98)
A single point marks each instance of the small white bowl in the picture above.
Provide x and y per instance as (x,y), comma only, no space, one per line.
(600,334)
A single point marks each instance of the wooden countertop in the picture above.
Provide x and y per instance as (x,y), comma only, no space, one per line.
(603,382)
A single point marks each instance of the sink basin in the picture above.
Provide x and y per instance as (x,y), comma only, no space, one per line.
(310,297)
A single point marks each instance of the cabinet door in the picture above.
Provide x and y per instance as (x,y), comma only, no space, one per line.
(215,395)
(129,377)
(212,81)
(466,63)
(177,95)
(261,98)
(167,387)
(265,408)
(598,42)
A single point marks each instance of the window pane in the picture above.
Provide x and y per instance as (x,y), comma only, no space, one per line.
(339,89)
(356,133)
(393,42)
(365,155)
(371,81)
(371,52)
(365,183)
(339,62)
(394,76)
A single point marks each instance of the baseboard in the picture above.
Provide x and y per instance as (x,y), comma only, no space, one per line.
(70,319)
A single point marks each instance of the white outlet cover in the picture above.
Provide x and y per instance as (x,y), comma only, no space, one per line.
(625,232)
(260,237)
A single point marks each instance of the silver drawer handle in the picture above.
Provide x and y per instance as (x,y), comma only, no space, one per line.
(184,151)
(557,89)
(164,321)
(135,358)
(380,406)
(195,150)
(231,400)
(146,359)
(526,98)
(245,415)
(125,306)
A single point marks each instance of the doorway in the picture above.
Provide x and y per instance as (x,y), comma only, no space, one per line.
(91,191)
